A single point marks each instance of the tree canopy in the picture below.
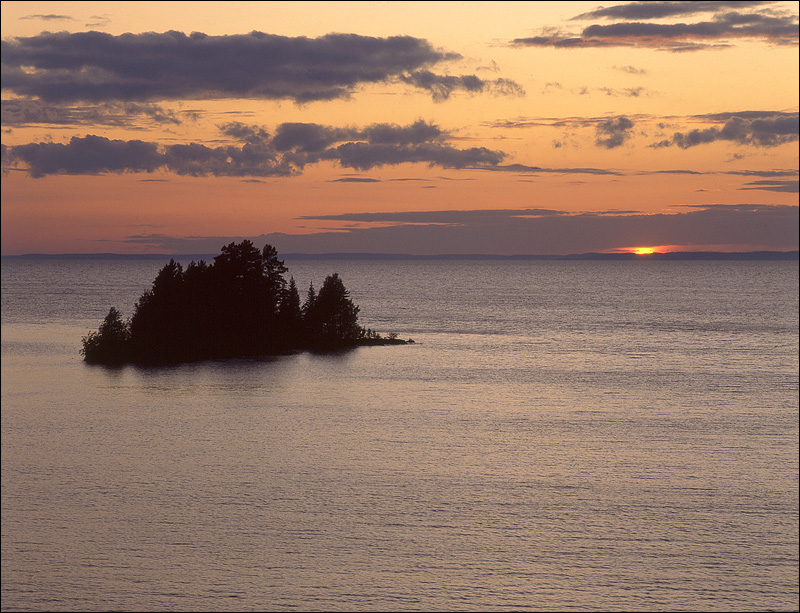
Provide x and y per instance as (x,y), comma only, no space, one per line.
(238,306)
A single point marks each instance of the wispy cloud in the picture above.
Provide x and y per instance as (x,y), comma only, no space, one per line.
(525,169)
(774,185)
(631,70)
(98,21)
(630,92)
(48,17)
(28,112)
(442,86)
(744,128)
(355,180)
(449,217)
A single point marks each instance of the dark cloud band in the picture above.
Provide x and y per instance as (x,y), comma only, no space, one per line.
(658,10)
(724,26)
(257,154)
(95,66)
(525,232)
(757,129)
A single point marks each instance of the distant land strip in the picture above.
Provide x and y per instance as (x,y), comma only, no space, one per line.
(672,255)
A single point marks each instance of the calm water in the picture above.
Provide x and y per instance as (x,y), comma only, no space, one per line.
(562,436)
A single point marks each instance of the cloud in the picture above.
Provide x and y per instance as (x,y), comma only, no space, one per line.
(614,132)
(441,86)
(657,10)
(364,156)
(355,180)
(774,185)
(724,26)
(525,169)
(758,129)
(49,17)
(512,232)
(763,173)
(252,135)
(308,138)
(447,217)
(256,153)
(98,21)
(749,115)
(630,69)
(747,128)
(27,112)
(556,122)
(95,66)
(89,155)
(392,134)
(630,92)
(312,138)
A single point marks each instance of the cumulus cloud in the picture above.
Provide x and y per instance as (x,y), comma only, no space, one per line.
(724,25)
(95,66)
(88,155)
(257,153)
(364,156)
(252,135)
(754,128)
(613,132)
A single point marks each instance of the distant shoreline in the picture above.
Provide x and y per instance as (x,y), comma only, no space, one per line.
(673,255)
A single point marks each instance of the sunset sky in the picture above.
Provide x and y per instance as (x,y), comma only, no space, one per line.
(399,127)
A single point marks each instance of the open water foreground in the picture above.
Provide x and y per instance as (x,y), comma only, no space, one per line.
(562,436)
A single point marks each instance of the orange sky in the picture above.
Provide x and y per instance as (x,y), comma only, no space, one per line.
(525,127)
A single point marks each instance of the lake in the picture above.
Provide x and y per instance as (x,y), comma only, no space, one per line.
(562,436)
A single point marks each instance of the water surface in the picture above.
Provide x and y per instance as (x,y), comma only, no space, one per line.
(562,436)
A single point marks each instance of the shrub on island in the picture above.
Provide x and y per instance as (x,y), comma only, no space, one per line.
(239,306)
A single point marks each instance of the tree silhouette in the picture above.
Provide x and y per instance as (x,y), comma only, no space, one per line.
(239,306)
(247,287)
(158,326)
(290,316)
(332,318)
(109,345)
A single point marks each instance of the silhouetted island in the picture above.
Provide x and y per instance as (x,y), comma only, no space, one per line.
(239,306)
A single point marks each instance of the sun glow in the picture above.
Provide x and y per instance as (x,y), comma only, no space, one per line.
(643,250)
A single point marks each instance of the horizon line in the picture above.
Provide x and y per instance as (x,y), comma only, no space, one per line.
(666,255)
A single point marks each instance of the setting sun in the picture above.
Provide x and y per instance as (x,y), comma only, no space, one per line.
(643,250)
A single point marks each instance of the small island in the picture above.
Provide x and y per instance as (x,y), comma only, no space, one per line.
(239,306)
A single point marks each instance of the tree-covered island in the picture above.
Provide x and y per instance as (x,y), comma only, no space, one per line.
(239,306)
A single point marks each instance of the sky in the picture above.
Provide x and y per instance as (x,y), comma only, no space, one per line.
(424,128)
